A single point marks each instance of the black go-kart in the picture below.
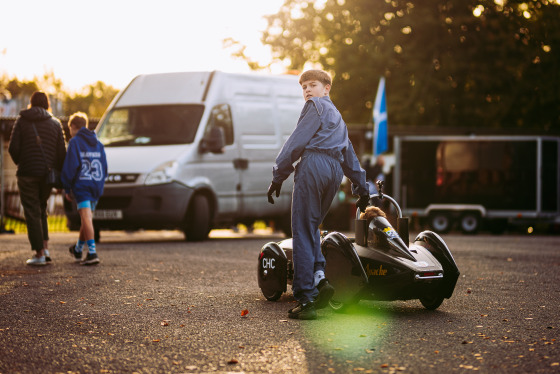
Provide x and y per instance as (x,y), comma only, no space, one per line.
(378,264)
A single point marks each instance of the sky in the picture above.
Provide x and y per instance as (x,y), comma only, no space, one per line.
(84,41)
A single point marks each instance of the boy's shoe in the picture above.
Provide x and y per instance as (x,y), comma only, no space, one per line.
(47,255)
(91,259)
(36,261)
(326,292)
(303,311)
(77,255)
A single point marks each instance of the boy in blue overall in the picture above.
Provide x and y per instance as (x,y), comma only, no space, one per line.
(320,141)
(83,175)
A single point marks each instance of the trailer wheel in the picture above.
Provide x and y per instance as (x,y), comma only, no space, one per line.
(197,224)
(440,222)
(470,223)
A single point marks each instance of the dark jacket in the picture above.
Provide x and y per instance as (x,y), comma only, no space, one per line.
(85,167)
(24,149)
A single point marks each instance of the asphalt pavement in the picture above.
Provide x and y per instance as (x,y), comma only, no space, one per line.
(158,304)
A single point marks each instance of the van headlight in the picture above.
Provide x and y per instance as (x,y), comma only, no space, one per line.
(164,173)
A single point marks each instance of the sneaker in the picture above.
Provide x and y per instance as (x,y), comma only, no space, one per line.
(303,311)
(47,255)
(91,259)
(77,255)
(36,261)
(326,292)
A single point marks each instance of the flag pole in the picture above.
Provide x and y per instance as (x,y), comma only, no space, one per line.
(380,131)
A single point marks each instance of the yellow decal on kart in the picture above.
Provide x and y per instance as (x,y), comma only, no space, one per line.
(376,271)
(390,232)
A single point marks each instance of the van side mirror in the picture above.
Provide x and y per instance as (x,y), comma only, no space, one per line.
(214,141)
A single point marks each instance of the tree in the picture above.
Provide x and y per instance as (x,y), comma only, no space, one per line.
(478,63)
(93,100)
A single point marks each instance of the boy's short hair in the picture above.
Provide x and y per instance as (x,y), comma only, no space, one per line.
(78,119)
(39,99)
(319,75)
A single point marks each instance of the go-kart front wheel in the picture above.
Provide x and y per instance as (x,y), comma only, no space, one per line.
(431,302)
(271,295)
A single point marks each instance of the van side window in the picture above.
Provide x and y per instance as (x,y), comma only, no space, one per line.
(221,117)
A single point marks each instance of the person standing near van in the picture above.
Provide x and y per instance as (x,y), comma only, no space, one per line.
(36,143)
(83,176)
(320,141)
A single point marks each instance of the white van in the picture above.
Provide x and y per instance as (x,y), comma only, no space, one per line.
(194,151)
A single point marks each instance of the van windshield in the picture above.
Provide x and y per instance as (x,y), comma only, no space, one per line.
(150,125)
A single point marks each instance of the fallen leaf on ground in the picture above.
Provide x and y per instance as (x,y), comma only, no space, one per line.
(244,312)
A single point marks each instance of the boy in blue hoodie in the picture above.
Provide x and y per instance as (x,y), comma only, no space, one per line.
(83,175)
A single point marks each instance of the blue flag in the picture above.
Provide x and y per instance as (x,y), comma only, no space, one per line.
(380,132)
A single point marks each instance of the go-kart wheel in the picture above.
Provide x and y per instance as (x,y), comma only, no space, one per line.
(271,295)
(337,306)
(431,302)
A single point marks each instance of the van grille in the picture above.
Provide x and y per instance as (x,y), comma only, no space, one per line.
(113,202)
(118,178)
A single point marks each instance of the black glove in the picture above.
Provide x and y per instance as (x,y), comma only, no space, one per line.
(363,202)
(274,187)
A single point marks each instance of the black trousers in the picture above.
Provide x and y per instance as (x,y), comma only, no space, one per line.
(34,193)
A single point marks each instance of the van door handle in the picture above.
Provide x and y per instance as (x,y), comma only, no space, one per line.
(240,163)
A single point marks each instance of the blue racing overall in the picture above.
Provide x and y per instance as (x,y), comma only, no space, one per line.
(320,141)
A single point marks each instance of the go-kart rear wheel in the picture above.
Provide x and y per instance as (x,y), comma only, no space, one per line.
(339,306)
(431,302)
(271,295)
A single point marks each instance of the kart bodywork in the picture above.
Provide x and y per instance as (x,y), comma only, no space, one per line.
(378,264)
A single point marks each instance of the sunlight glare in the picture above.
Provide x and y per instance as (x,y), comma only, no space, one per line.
(113,41)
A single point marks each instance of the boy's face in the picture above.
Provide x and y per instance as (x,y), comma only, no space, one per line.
(314,88)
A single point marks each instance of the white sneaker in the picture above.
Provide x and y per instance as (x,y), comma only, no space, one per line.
(36,261)
(47,255)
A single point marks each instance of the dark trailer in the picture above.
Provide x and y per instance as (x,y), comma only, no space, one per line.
(478,181)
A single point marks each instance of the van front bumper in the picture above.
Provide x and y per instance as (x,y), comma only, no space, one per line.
(158,207)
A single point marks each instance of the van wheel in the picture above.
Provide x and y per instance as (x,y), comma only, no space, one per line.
(440,222)
(470,223)
(198,219)
(96,235)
